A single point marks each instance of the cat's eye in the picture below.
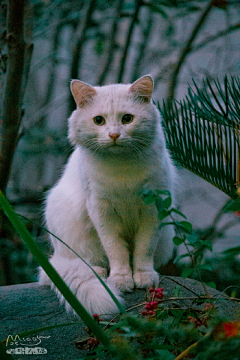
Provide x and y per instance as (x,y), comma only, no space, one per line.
(99,120)
(127,118)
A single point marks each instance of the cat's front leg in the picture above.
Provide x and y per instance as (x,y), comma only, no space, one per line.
(118,255)
(145,243)
(108,228)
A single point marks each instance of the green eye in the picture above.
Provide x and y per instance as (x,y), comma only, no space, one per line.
(127,119)
(99,120)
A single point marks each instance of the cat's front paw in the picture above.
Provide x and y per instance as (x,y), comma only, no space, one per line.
(122,282)
(100,271)
(145,279)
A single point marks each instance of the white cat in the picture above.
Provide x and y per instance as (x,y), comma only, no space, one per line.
(96,208)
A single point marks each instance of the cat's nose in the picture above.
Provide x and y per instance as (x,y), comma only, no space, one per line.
(114,136)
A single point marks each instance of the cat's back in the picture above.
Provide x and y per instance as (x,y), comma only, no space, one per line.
(67,192)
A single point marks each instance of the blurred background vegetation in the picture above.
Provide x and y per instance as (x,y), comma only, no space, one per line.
(102,42)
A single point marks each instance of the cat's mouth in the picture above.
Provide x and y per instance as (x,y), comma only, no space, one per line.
(114,146)
(114,143)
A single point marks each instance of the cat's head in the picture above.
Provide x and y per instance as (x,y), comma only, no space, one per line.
(114,119)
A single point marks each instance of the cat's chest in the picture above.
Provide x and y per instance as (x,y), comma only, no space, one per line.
(116,178)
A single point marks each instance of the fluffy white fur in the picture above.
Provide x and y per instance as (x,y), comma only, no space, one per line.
(96,208)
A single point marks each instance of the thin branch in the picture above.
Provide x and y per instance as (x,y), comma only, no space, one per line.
(28,32)
(143,47)
(186,49)
(78,45)
(113,44)
(179,283)
(128,40)
(216,37)
(191,347)
(37,116)
(52,65)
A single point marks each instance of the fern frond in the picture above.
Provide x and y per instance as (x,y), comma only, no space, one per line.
(203,132)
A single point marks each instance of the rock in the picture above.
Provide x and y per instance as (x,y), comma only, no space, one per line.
(30,306)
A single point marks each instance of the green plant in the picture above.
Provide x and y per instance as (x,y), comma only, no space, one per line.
(202,132)
(195,246)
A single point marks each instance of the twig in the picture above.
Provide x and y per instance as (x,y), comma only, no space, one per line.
(113,44)
(216,37)
(128,40)
(143,46)
(191,347)
(179,283)
(186,49)
(78,46)
(52,65)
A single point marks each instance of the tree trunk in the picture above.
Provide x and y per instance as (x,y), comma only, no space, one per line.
(12,94)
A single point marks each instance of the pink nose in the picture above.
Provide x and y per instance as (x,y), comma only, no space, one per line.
(114,136)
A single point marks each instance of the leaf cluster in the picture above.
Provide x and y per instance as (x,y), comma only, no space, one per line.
(202,132)
(195,246)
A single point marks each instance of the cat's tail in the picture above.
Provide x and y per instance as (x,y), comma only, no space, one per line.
(85,286)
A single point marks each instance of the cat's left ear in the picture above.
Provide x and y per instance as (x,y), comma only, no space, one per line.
(143,88)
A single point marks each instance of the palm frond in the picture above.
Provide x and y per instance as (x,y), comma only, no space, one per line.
(203,132)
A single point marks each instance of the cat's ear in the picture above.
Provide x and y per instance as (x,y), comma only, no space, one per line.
(143,88)
(82,92)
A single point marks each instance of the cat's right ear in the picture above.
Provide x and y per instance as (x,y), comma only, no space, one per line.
(82,92)
(143,88)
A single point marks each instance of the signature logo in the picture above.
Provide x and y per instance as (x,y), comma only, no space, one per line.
(29,341)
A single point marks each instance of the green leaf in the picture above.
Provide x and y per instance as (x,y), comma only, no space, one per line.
(165,355)
(149,199)
(165,224)
(212,284)
(177,240)
(193,239)
(207,244)
(204,267)
(159,204)
(232,206)
(187,272)
(232,251)
(167,202)
(179,257)
(178,212)
(185,225)
(163,214)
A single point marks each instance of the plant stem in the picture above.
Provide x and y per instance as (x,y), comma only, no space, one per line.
(192,259)
(191,347)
